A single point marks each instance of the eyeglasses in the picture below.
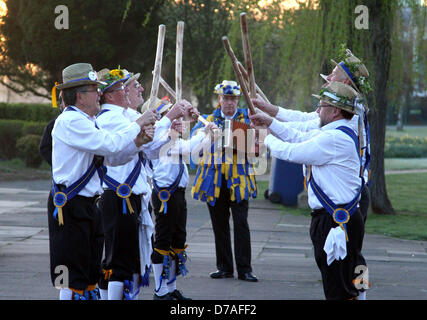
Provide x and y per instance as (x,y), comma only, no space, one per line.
(118,89)
(96,90)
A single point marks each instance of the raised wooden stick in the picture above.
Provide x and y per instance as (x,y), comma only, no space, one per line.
(238,74)
(157,66)
(245,75)
(247,54)
(168,88)
(178,60)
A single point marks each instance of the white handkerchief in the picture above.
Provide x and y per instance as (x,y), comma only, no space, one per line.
(146,230)
(335,245)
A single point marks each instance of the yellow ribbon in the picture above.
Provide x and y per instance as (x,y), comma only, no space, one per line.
(54,101)
(129,205)
(60,217)
(107,273)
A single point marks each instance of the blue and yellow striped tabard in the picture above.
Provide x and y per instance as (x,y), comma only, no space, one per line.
(240,177)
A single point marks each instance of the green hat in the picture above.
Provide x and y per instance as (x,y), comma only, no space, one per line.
(78,74)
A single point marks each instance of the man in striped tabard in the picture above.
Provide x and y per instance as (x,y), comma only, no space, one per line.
(227,185)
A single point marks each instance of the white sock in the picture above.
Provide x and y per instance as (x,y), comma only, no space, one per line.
(161,288)
(115,290)
(104,294)
(65,294)
(172,275)
(362,296)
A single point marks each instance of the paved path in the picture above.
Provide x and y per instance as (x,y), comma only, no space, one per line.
(281,250)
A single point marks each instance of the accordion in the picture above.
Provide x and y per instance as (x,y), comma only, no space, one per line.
(240,137)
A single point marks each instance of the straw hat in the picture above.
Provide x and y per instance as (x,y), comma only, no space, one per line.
(111,77)
(78,74)
(131,76)
(354,70)
(339,95)
(228,88)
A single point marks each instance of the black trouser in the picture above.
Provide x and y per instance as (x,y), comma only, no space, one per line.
(121,236)
(338,276)
(76,245)
(220,217)
(170,227)
(365,198)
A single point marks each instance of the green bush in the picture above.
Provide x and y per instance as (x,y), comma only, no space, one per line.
(36,112)
(405,147)
(11,131)
(28,150)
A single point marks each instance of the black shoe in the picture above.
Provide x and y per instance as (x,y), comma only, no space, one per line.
(167,296)
(178,295)
(248,276)
(221,274)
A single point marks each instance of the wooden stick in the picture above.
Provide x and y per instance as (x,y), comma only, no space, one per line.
(245,75)
(168,88)
(238,74)
(247,54)
(157,66)
(173,95)
(178,60)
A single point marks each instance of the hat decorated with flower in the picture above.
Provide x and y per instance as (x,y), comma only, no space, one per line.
(355,70)
(339,95)
(228,88)
(111,77)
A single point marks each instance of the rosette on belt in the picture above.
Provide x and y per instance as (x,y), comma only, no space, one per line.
(124,191)
(164,196)
(59,201)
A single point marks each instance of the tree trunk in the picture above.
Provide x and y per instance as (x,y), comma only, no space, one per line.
(378,45)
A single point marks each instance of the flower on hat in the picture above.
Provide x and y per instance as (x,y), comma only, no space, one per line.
(228,88)
(117,73)
(114,76)
(355,65)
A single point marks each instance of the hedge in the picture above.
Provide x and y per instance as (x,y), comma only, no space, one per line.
(405,147)
(28,150)
(36,112)
(12,130)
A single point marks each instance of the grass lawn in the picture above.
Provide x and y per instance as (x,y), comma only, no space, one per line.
(15,169)
(408,195)
(405,163)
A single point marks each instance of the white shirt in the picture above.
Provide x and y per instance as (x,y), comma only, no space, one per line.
(76,140)
(332,154)
(114,120)
(306,121)
(166,168)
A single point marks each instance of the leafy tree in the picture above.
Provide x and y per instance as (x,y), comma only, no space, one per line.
(106,34)
(206,21)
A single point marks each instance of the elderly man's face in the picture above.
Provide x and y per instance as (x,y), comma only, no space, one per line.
(89,98)
(337,75)
(118,95)
(228,104)
(135,94)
